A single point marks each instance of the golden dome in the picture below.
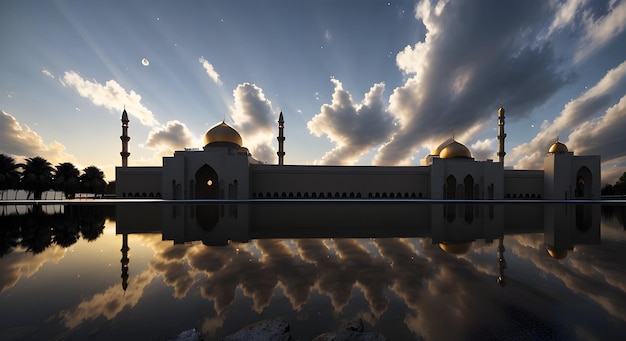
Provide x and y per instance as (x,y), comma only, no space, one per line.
(501,111)
(445,143)
(222,133)
(558,147)
(454,150)
(455,248)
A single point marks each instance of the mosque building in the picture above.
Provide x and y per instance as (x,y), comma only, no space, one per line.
(224,169)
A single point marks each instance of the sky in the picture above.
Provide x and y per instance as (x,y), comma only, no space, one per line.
(358,82)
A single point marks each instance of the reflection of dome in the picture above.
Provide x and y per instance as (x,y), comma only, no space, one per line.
(556,253)
(558,147)
(222,133)
(455,248)
(455,149)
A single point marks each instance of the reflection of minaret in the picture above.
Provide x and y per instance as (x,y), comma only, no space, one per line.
(125,138)
(125,260)
(501,135)
(281,138)
(501,262)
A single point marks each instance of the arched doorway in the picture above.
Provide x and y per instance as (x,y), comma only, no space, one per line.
(207,186)
(583,183)
(451,187)
(469,187)
(207,183)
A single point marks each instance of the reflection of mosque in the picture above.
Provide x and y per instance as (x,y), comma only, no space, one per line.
(563,225)
(225,169)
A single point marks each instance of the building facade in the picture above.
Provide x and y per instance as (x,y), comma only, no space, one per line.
(224,169)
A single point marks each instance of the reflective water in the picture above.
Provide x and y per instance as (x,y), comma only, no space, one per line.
(409,270)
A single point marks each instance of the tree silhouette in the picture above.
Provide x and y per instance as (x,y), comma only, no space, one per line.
(9,175)
(92,180)
(66,179)
(37,176)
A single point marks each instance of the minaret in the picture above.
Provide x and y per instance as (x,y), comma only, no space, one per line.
(281,139)
(501,135)
(501,262)
(125,260)
(125,138)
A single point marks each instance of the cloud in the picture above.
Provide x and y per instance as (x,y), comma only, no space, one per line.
(600,31)
(111,95)
(47,73)
(485,149)
(254,118)
(566,13)
(210,70)
(174,135)
(464,68)
(21,142)
(354,128)
(577,120)
(328,36)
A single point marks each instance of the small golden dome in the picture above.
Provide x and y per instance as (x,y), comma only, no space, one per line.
(501,111)
(556,253)
(455,150)
(558,147)
(455,248)
(222,133)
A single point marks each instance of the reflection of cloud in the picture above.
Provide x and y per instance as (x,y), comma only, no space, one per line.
(596,274)
(19,263)
(211,325)
(296,276)
(109,303)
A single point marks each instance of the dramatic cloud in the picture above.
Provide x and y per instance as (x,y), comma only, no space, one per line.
(174,135)
(587,133)
(600,31)
(473,57)
(22,142)
(354,128)
(208,67)
(111,95)
(255,120)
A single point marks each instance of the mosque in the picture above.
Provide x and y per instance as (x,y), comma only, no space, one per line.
(225,170)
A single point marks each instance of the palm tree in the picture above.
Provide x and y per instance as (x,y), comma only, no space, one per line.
(92,180)
(9,175)
(37,176)
(66,179)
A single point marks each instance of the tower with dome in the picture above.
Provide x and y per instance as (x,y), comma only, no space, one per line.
(224,169)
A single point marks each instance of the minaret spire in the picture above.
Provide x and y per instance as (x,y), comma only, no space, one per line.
(281,139)
(125,138)
(125,260)
(501,135)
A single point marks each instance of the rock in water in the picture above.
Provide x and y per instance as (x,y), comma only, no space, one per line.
(270,330)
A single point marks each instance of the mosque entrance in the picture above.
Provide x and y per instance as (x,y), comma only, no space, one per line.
(207,187)
(583,184)
(207,183)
